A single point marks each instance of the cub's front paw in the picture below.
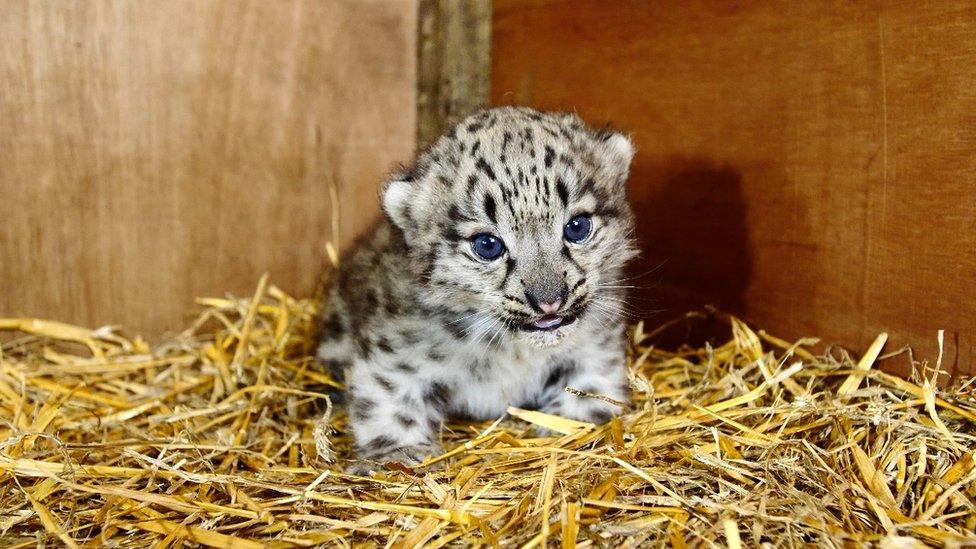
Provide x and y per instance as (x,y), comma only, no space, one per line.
(409,456)
(601,415)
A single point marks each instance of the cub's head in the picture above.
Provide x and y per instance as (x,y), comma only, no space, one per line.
(517,223)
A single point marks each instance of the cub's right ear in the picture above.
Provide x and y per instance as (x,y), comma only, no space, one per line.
(396,202)
(618,151)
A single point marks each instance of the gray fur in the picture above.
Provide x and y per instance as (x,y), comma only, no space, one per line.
(421,328)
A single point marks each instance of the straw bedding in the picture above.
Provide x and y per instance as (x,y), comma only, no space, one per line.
(214,439)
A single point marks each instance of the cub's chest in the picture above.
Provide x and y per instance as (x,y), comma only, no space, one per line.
(488,383)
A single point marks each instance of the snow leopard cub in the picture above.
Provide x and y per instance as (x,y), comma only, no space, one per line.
(492,281)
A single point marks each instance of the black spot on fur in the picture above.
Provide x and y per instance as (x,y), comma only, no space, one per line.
(481,369)
(454,213)
(385,383)
(454,329)
(438,396)
(379,443)
(384,345)
(608,338)
(600,194)
(362,407)
(435,355)
(579,283)
(559,376)
(364,345)
(337,370)
(428,266)
(604,133)
(562,192)
(511,208)
(607,211)
(407,215)
(405,421)
(410,337)
(490,208)
(577,301)
(553,386)
(482,165)
(509,267)
(406,173)
(406,367)
(450,234)
(332,327)
(600,416)
(566,253)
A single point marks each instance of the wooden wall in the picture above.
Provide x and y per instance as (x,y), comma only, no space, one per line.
(151,152)
(808,165)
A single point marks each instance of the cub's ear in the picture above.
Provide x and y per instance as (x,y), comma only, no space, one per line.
(396,202)
(617,151)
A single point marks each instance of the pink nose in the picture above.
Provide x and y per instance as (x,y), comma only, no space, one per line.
(550,308)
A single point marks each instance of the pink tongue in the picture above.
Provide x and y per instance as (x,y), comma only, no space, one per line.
(548,321)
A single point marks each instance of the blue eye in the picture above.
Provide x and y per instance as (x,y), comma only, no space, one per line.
(578,228)
(487,246)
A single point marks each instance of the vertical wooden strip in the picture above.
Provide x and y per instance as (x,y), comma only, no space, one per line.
(453,51)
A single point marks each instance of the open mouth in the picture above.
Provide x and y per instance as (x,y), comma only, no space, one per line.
(548,323)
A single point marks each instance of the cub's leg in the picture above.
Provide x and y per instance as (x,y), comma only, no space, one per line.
(395,410)
(599,368)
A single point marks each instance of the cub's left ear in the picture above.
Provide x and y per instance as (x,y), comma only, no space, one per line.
(396,202)
(618,151)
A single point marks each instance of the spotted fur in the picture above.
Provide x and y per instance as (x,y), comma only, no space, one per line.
(420,328)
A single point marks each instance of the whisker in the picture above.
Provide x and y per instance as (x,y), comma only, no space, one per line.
(641,275)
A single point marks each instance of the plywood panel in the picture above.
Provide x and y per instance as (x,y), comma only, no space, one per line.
(151,152)
(808,165)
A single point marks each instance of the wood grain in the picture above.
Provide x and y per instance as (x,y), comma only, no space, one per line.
(807,165)
(151,152)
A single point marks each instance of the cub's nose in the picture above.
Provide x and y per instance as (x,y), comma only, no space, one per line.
(551,308)
(548,300)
